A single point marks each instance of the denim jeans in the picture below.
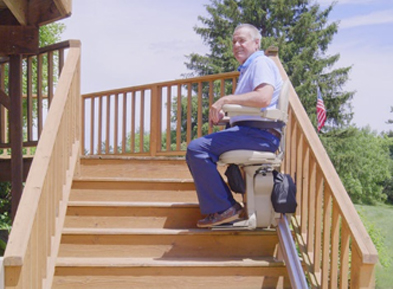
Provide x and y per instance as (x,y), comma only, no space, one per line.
(204,152)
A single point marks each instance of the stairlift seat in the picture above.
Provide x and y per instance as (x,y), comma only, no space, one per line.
(249,157)
(258,166)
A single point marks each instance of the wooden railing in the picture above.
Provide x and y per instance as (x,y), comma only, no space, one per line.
(160,119)
(40,74)
(332,239)
(33,244)
(151,120)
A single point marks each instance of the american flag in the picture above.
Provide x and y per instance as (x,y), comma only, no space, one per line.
(321,110)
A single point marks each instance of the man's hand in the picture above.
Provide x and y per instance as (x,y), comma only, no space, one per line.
(216,113)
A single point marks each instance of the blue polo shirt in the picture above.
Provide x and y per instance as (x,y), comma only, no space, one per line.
(256,70)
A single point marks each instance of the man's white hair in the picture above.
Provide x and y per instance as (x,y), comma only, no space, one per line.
(254,32)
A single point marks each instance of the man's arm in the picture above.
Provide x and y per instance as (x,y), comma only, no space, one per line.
(261,97)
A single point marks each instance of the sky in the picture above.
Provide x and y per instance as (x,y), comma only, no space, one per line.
(132,42)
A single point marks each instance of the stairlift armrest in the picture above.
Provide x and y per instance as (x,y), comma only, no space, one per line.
(224,121)
(271,114)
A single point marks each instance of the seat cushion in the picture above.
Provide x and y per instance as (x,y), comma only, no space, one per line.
(248,157)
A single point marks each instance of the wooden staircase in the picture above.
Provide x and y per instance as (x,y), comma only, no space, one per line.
(130,223)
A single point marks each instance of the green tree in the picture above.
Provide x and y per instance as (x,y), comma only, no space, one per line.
(362,159)
(390,121)
(301,31)
(388,185)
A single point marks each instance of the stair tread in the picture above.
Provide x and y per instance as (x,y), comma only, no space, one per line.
(167,262)
(131,179)
(158,231)
(130,204)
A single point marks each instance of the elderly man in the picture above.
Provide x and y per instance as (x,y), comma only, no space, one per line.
(259,86)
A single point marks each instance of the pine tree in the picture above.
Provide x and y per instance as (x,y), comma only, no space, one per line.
(301,32)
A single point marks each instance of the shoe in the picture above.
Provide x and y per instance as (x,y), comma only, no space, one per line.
(227,216)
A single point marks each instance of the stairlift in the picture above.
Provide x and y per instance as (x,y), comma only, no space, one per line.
(258,166)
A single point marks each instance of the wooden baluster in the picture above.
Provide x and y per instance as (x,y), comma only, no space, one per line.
(142,122)
(178,118)
(124,125)
(199,116)
(92,125)
(189,112)
(29,100)
(132,138)
(108,123)
(116,124)
(50,77)
(305,188)
(168,117)
(211,99)
(39,95)
(335,231)
(311,206)
(344,256)
(318,223)
(326,236)
(100,124)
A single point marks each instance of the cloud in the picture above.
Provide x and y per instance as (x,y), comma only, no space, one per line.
(342,2)
(379,17)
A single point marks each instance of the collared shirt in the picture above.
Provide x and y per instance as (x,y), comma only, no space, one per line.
(256,70)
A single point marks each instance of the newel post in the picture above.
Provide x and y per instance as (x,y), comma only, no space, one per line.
(271,51)
(362,274)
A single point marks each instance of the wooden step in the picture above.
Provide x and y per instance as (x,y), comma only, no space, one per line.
(119,183)
(168,243)
(87,214)
(131,195)
(170,273)
(135,167)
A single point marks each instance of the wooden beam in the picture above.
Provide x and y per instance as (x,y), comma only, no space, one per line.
(19,40)
(7,18)
(42,12)
(18,9)
(4,99)
(64,6)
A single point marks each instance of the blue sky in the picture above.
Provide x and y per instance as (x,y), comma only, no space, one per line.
(130,42)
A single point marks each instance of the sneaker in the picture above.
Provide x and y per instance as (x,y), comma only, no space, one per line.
(227,216)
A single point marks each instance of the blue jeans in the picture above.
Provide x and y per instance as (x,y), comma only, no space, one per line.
(204,152)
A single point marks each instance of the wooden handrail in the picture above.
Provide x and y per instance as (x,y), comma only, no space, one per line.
(33,244)
(184,81)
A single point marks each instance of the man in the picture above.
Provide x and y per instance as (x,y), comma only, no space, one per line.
(259,86)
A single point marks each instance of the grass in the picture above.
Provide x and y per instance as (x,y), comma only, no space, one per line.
(381,218)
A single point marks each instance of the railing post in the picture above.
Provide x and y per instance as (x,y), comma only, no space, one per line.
(155,120)
(15,89)
(362,274)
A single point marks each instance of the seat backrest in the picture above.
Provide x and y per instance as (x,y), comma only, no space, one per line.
(283,99)
(283,102)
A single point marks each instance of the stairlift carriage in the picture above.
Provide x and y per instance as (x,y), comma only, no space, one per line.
(257,165)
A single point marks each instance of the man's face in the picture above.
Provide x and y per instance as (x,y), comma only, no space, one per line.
(243,45)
